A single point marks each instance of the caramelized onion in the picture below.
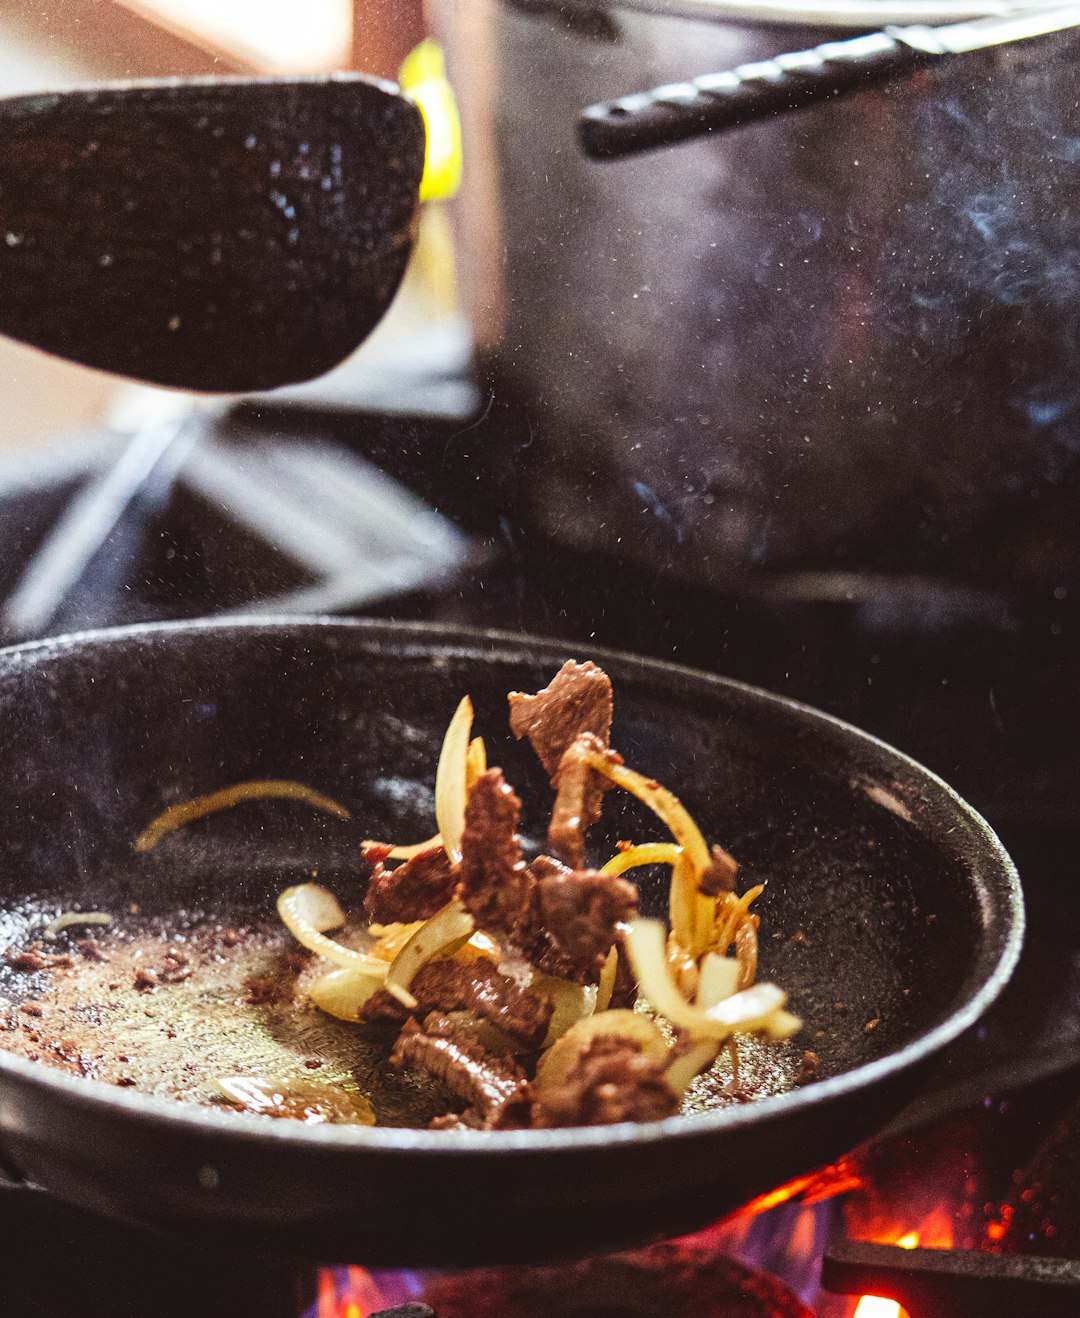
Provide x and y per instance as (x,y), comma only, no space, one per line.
(446,931)
(342,993)
(306,911)
(257,790)
(451,783)
(745,1011)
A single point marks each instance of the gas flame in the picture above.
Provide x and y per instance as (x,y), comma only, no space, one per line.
(935,1232)
(347,1292)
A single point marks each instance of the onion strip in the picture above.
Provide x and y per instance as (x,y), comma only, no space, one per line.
(475,765)
(451,780)
(342,993)
(70,918)
(719,979)
(745,1011)
(475,762)
(690,1064)
(662,802)
(305,912)
(645,853)
(401,853)
(573,1003)
(446,931)
(606,986)
(730,915)
(185,812)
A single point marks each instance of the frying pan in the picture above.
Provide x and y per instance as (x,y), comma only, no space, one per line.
(892,915)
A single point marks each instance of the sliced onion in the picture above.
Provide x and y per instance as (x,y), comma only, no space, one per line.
(559,1060)
(306,911)
(731,912)
(451,788)
(444,933)
(69,918)
(606,987)
(746,951)
(480,947)
(311,1103)
(316,906)
(749,1009)
(475,765)
(391,938)
(573,1002)
(475,761)
(683,967)
(401,853)
(342,993)
(781,1025)
(745,1011)
(690,1064)
(718,980)
(662,802)
(645,853)
(260,790)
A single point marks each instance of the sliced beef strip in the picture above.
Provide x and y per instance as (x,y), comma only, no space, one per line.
(579,799)
(479,988)
(490,1088)
(611,1081)
(575,919)
(494,881)
(415,890)
(578,699)
(719,875)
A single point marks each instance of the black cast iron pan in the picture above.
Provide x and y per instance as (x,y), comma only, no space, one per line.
(892,915)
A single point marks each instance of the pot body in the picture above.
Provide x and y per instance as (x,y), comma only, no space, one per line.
(843,336)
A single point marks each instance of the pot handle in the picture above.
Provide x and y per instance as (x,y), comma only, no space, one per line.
(717,101)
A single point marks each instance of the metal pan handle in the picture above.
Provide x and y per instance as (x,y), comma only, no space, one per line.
(717,101)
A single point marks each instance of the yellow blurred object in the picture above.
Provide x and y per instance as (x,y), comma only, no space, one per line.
(423,80)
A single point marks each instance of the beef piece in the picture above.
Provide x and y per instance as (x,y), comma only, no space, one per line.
(479,988)
(476,987)
(611,1081)
(719,875)
(415,890)
(177,967)
(578,699)
(495,882)
(808,1069)
(382,1008)
(579,799)
(29,960)
(91,949)
(486,1085)
(263,990)
(468,1120)
(574,919)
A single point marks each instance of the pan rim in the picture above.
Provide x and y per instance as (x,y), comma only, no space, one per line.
(206,1122)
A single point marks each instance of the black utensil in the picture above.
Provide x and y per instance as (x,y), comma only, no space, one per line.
(717,101)
(892,915)
(220,234)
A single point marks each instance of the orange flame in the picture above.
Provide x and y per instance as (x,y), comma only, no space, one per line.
(935,1232)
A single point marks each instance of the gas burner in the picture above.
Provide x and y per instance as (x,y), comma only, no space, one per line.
(663,1281)
(121,528)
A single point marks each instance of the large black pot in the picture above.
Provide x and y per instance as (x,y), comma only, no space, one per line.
(906,909)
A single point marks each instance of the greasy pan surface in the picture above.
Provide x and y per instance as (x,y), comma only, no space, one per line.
(892,916)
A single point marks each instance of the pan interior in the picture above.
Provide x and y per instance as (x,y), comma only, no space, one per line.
(875,916)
